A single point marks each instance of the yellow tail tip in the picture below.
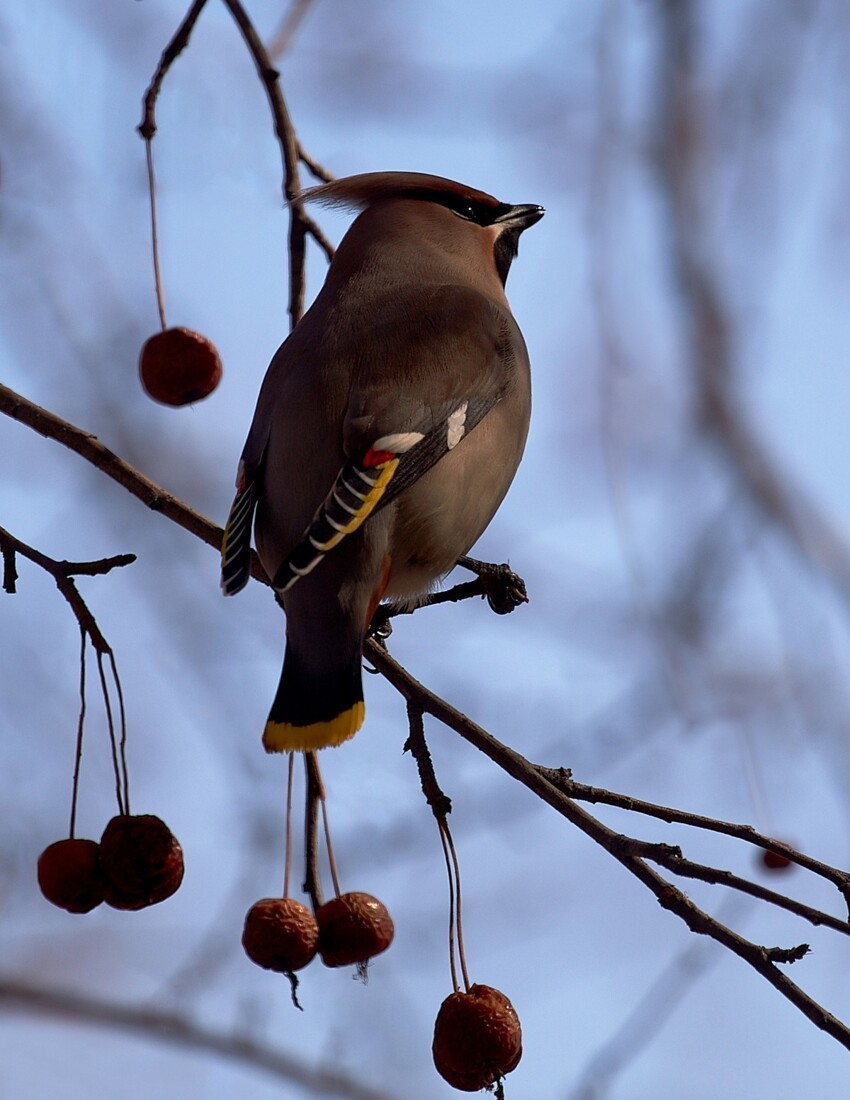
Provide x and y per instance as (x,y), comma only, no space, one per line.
(285,737)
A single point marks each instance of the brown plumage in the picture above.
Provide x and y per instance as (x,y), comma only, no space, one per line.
(387,431)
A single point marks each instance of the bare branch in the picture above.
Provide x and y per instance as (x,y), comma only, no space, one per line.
(147,127)
(62,571)
(762,959)
(313,166)
(300,223)
(160,1026)
(563,780)
(92,450)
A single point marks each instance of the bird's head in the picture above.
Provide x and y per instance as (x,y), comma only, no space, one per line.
(459,219)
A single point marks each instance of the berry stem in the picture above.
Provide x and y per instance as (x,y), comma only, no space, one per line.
(441,825)
(288,860)
(456,864)
(78,752)
(331,859)
(110,722)
(160,300)
(123,719)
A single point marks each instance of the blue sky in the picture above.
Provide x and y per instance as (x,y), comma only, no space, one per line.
(552,106)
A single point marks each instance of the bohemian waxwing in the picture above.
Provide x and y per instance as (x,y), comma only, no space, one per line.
(387,431)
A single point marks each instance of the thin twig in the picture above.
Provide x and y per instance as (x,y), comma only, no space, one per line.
(313,166)
(562,779)
(285,133)
(147,127)
(62,573)
(440,803)
(670,856)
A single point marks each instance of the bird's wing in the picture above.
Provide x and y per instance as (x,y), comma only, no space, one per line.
(434,368)
(236,543)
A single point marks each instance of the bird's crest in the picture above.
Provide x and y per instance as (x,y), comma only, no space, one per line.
(358,192)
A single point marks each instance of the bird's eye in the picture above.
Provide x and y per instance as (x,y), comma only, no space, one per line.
(467,210)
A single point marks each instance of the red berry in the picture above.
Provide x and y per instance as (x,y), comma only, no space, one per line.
(774,861)
(141,859)
(70,875)
(280,934)
(477,1038)
(353,928)
(179,366)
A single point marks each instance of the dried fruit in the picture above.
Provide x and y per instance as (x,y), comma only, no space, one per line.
(280,934)
(70,875)
(353,928)
(141,859)
(178,366)
(477,1038)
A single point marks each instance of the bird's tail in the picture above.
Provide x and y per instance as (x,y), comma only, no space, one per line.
(315,709)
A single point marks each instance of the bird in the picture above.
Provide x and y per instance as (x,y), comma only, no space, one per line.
(388,428)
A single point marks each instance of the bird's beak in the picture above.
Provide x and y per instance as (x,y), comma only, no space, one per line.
(520,217)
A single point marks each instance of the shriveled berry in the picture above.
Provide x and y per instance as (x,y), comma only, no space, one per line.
(121,899)
(70,875)
(477,1038)
(179,366)
(280,934)
(353,928)
(142,861)
(464,1082)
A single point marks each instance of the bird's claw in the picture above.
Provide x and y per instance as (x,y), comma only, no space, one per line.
(504,589)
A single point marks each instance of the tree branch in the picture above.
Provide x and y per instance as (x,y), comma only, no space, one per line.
(62,572)
(301,224)
(562,779)
(90,448)
(762,959)
(160,1026)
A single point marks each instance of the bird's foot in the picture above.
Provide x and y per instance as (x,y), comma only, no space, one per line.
(504,589)
(381,626)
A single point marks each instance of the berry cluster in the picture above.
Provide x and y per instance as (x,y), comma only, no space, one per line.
(137,863)
(282,934)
